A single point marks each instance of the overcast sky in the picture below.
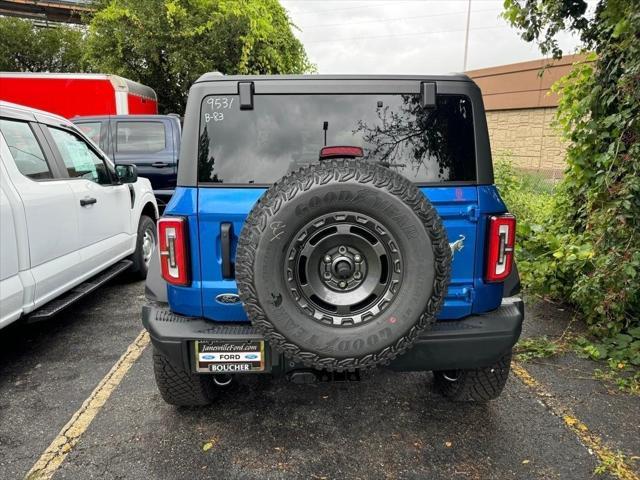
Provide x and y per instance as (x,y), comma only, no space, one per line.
(408,36)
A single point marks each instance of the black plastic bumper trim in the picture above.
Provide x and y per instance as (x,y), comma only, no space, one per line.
(476,341)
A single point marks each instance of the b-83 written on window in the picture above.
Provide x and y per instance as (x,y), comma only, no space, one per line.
(217,104)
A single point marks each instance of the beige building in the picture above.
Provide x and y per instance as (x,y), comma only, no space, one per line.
(520,112)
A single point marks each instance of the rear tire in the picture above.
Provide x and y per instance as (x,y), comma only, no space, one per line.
(181,387)
(474,385)
(146,243)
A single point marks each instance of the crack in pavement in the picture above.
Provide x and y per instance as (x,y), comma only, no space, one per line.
(590,440)
(70,434)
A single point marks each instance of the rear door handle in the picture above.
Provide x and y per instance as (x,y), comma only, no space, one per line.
(225,240)
(159,164)
(88,201)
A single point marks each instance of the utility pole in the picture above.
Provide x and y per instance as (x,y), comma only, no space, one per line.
(466,36)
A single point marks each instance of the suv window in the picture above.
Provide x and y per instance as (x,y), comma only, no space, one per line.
(140,137)
(25,149)
(91,130)
(285,132)
(80,160)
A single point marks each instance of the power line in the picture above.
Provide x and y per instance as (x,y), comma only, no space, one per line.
(466,37)
(403,34)
(391,19)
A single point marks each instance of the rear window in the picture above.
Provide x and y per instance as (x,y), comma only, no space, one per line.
(286,132)
(140,137)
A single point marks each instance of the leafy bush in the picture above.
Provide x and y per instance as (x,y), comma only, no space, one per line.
(587,250)
(551,261)
(547,258)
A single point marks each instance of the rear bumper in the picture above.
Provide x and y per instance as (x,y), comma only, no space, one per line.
(475,341)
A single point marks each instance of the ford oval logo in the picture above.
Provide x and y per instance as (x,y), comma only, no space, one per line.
(251,356)
(228,298)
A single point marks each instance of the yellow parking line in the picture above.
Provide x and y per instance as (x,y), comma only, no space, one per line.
(593,442)
(68,437)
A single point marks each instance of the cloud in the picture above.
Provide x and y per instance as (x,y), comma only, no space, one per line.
(408,36)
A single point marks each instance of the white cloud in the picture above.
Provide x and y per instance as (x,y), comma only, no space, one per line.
(408,36)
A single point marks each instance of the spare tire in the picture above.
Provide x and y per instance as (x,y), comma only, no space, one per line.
(342,264)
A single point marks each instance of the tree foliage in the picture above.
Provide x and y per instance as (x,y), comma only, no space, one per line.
(27,48)
(168,44)
(589,249)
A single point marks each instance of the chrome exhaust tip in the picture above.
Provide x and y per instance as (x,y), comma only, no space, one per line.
(222,380)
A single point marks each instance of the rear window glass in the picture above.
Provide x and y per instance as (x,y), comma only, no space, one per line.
(140,137)
(286,132)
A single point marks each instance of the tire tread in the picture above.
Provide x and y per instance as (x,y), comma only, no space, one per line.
(180,387)
(477,384)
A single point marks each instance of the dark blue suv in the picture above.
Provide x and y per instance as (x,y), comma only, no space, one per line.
(323,225)
(150,142)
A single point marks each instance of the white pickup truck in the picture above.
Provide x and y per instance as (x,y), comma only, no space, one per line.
(70,220)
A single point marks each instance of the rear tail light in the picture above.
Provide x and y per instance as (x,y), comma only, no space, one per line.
(172,234)
(500,245)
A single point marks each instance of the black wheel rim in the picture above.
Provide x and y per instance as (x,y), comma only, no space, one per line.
(343,269)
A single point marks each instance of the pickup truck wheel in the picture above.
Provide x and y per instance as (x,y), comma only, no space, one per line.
(474,385)
(341,265)
(180,387)
(145,246)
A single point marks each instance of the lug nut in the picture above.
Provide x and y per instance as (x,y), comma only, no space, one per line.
(342,249)
(327,275)
(357,258)
(357,275)
(343,284)
(327,259)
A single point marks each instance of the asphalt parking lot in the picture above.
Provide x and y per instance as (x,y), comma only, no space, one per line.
(552,421)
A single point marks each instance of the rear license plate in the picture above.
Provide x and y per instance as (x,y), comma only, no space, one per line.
(229,356)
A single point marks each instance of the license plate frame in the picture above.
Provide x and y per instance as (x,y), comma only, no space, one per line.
(229,356)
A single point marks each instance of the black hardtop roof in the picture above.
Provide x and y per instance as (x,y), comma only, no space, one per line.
(218,77)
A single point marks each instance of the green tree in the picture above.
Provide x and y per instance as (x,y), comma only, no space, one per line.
(27,48)
(589,249)
(168,44)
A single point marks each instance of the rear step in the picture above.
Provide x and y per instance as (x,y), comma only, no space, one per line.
(55,306)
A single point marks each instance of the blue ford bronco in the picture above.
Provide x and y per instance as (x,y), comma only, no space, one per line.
(323,225)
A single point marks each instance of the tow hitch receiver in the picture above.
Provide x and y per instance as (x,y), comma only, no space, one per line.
(314,376)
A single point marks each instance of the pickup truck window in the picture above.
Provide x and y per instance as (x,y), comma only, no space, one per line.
(80,160)
(91,130)
(285,132)
(140,137)
(25,149)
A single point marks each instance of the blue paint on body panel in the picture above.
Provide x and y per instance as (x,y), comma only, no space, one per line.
(463,209)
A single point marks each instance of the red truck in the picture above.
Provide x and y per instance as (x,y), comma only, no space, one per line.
(75,94)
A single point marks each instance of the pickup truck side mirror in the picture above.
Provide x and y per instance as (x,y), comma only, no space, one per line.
(127,173)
